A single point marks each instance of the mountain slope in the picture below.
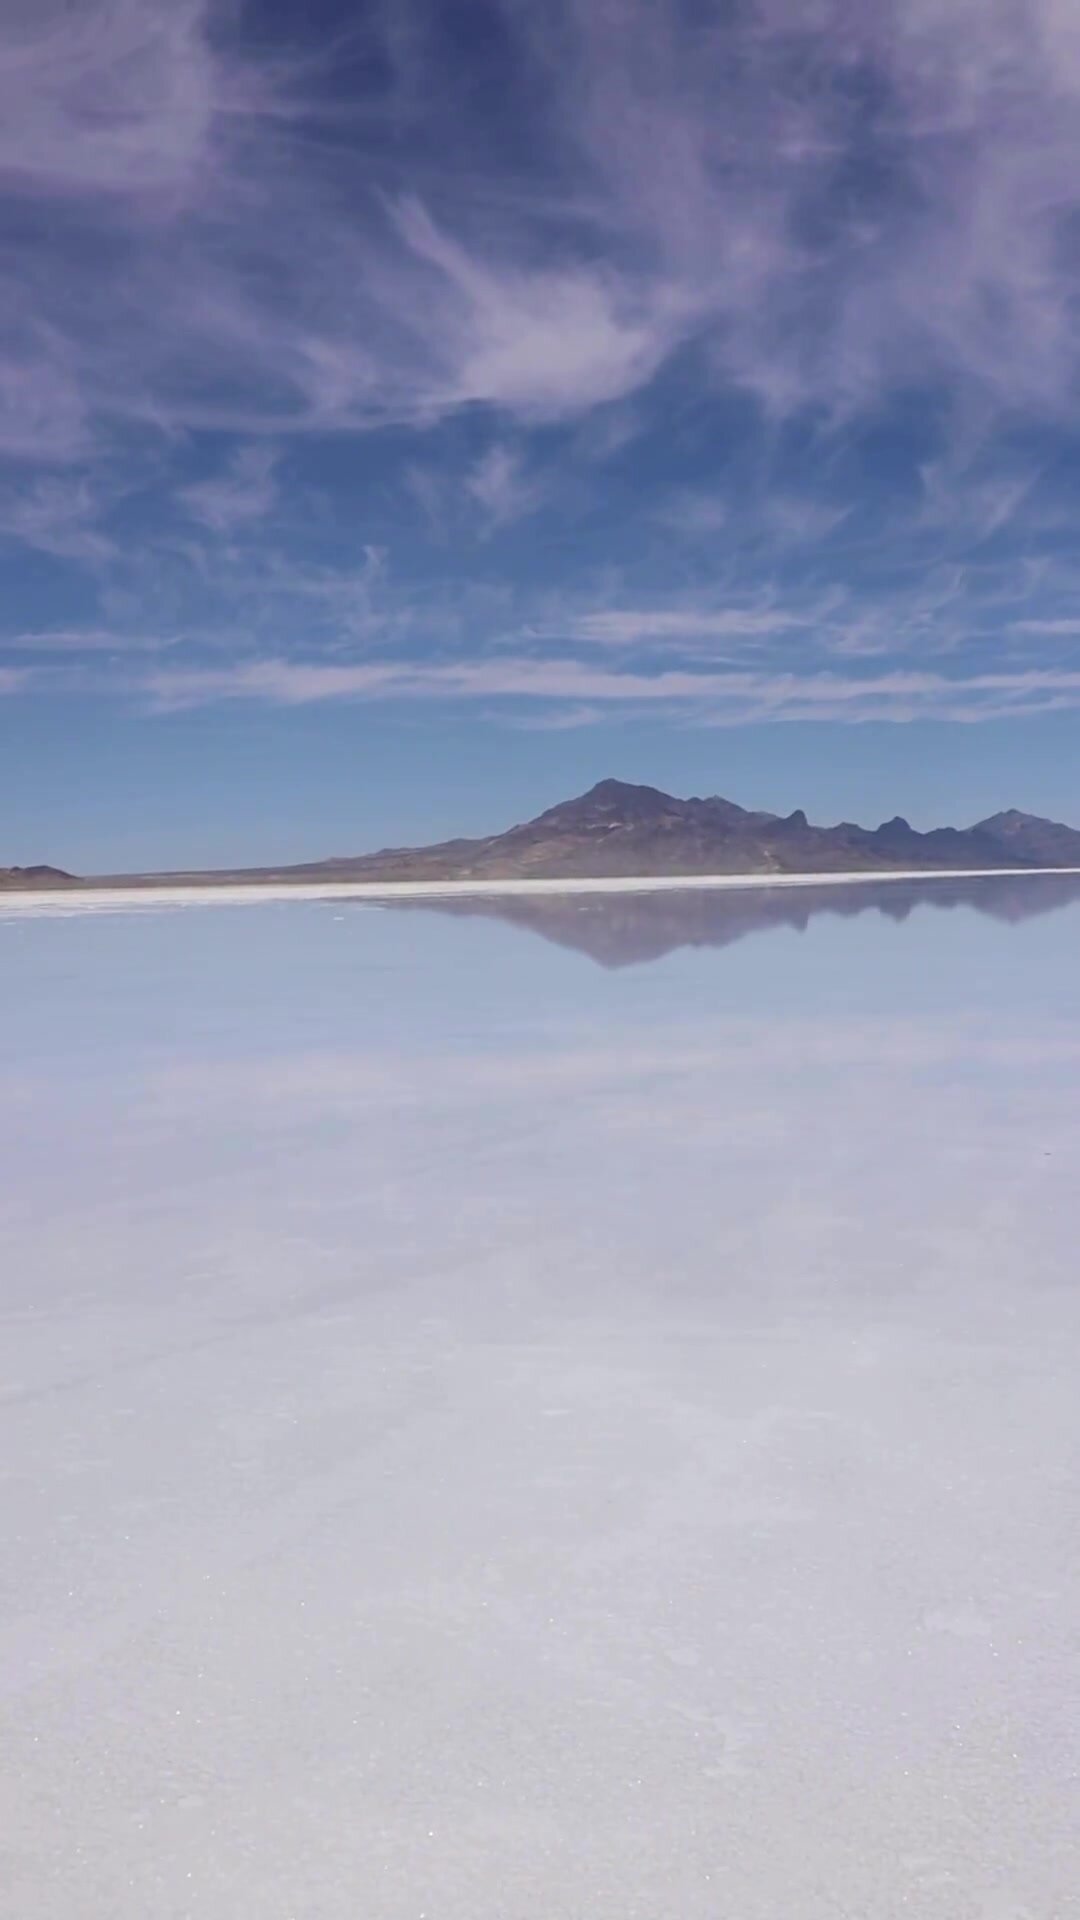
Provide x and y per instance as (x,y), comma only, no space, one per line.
(1039,843)
(25,878)
(617,829)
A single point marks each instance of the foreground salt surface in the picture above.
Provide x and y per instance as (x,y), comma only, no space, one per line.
(482,1437)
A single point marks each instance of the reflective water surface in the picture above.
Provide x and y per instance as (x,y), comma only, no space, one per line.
(485,1433)
(627,929)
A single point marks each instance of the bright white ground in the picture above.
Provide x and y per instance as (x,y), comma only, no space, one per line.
(62,901)
(483,1437)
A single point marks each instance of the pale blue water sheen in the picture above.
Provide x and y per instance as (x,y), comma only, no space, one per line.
(498,1426)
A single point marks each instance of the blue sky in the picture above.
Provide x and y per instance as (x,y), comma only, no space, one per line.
(410,413)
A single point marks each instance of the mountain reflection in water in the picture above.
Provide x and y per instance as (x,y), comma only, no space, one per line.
(631,929)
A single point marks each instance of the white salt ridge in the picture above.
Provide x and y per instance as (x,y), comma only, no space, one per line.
(63,902)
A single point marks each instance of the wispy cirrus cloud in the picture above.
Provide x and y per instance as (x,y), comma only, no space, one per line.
(756,315)
(244,492)
(58,515)
(502,488)
(1068,629)
(644,626)
(118,97)
(719,698)
(833,205)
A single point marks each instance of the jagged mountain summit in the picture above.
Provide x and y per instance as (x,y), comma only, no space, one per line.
(619,830)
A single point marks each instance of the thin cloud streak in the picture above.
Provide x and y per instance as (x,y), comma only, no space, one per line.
(631,626)
(739,697)
(1051,629)
(78,640)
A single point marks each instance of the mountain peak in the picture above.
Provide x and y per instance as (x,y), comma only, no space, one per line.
(619,791)
(1025,837)
(1009,819)
(611,800)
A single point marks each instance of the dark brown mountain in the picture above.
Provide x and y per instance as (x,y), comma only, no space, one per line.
(621,831)
(1041,843)
(617,830)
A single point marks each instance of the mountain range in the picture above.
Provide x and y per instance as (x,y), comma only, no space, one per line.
(618,830)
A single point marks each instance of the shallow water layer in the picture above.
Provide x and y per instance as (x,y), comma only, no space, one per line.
(555,1410)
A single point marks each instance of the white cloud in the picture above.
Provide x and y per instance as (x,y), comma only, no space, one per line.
(540,343)
(686,180)
(501,487)
(1067,629)
(245,492)
(45,408)
(59,516)
(115,96)
(704,697)
(825,210)
(637,626)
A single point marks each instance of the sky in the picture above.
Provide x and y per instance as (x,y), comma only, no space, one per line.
(411,413)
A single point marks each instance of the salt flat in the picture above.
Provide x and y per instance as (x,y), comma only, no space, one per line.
(487,1438)
(131,899)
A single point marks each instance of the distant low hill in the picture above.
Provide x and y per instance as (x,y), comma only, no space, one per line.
(13,878)
(618,830)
